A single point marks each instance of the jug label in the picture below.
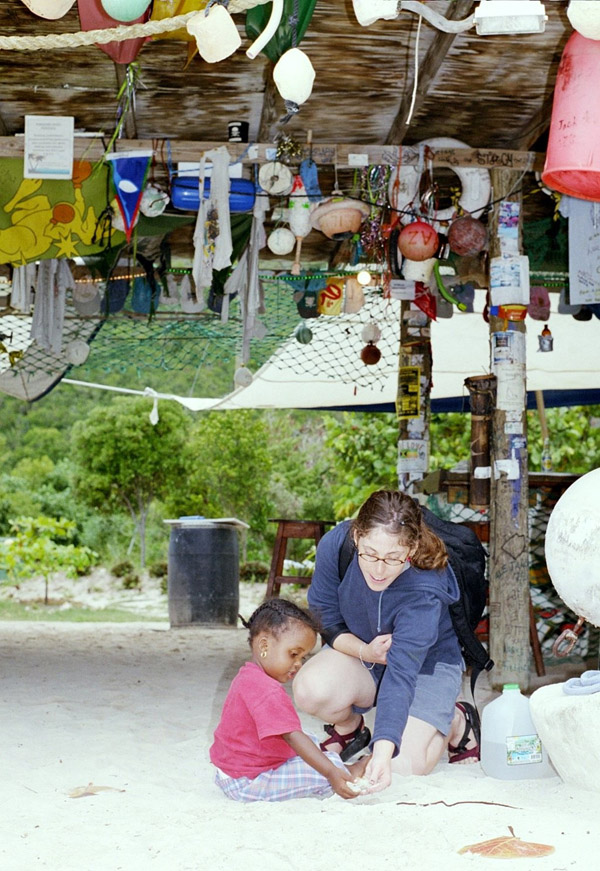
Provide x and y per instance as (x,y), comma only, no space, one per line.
(523,749)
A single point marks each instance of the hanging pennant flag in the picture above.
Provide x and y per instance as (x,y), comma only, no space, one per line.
(92,16)
(129,171)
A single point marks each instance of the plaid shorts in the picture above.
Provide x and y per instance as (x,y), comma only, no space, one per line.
(294,779)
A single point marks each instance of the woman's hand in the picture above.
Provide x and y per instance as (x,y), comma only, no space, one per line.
(376,650)
(379,768)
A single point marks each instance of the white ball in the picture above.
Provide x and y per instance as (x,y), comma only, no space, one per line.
(370,333)
(77,352)
(281,241)
(573,547)
(242,376)
(154,201)
(125,10)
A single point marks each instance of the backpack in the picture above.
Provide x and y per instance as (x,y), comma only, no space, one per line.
(467,559)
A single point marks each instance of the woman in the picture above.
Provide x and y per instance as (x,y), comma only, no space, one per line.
(390,642)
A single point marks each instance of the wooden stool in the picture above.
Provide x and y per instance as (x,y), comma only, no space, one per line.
(310,529)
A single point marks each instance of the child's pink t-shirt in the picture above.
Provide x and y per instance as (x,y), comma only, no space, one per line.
(257,711)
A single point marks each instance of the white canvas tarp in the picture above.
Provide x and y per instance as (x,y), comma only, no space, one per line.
(328,372)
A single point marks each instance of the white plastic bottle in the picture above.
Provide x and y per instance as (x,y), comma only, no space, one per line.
(511,749)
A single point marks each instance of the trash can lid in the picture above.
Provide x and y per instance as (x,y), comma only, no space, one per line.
(199,520)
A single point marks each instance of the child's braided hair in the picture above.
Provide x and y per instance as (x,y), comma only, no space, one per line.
(274,617)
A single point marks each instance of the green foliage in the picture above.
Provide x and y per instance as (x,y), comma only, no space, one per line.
(574,439)
(228,466)
(44,546)
(131,582)
(120,570)
(254,572)
(363,455)
(41,441)
(450,437)
(300,481)
(158,569)
(123,462)
(16,498)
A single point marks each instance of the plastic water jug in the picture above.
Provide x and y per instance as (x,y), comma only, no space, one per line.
(511,749)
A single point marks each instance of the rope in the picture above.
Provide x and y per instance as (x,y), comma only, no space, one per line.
(111,34)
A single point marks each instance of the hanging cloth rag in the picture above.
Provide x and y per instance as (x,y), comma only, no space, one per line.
(190,304)
(251,296)
(589,682)
(23,284)
(212,235)
(49,310)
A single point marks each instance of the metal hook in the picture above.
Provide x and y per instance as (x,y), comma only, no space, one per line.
(568,638)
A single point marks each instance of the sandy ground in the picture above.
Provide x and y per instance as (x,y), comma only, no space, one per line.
(131,708)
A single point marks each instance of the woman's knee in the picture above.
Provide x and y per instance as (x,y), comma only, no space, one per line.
(308,691)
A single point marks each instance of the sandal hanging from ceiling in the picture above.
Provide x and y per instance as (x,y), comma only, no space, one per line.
(459,752)
(351,742)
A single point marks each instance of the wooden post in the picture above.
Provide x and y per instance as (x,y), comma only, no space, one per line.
(482,399)
(509,534)
(413,403)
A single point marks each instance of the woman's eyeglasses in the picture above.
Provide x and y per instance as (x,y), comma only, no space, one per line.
(369,558)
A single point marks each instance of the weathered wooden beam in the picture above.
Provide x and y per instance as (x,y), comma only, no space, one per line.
(429,69)
(509,530)
(531,131)
(268,116)
(342,155)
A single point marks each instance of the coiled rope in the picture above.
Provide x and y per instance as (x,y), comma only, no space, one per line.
(111,34)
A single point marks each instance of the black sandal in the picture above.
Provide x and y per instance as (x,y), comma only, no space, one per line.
(350,743)
(472,731)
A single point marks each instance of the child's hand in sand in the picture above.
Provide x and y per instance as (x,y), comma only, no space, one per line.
(360,784)
(343,784)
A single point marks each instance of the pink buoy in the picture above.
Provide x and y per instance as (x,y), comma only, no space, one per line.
(467,236)
(418,241)
(573,155)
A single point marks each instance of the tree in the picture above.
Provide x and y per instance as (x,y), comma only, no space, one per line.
(227,469)
(43,545)
(122,461)
(363,457)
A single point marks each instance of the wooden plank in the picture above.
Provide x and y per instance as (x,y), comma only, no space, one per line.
(343,155)
(509,596)
(531,131)
(429,69)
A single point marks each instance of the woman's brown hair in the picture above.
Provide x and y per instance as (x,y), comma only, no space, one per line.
(399,515)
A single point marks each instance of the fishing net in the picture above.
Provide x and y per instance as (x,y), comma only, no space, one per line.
(196,354)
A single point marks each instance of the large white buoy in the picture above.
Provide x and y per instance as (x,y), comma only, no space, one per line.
(573,547)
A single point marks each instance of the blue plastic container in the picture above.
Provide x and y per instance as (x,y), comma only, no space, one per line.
(185,193)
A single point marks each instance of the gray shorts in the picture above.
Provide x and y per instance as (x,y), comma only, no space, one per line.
(435,696)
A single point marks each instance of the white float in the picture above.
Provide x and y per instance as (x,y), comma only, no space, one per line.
(568,727)
(573,547)
(568,724)
(476,186)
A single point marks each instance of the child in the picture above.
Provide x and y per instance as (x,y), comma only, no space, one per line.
(260,750)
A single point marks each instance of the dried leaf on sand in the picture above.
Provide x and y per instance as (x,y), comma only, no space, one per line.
(90,789)
(509,847)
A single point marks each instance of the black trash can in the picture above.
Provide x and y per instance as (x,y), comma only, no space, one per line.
(203,572)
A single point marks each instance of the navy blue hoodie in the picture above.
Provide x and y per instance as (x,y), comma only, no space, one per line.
(414,609)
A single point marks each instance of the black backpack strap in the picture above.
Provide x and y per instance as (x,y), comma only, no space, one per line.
(346,555)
